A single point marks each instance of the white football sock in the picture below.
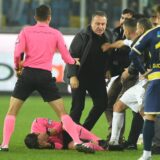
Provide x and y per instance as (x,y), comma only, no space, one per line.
(146,154)
(117,124)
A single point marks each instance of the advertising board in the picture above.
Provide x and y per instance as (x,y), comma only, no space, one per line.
(7,74)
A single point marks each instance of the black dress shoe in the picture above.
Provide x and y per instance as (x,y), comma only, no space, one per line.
(129,146)
(4,149)
(117,147)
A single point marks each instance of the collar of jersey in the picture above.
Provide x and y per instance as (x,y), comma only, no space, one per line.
(42,24)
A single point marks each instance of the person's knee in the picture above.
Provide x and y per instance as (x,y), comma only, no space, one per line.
(58,107)
(15,105)
(119,107)
(150,117)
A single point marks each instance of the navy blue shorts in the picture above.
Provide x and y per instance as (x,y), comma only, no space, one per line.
(36,79)
(152,98)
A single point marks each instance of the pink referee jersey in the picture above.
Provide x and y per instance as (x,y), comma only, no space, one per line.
(40,125)
(39,43)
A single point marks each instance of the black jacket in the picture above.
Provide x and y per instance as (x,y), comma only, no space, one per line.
(120,56)
(80,48)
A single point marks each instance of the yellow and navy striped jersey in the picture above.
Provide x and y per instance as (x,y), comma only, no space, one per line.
(150,41)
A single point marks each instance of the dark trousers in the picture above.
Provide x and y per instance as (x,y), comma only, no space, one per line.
(136,128)
(98,94)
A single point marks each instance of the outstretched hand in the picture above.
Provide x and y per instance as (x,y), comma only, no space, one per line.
(74,82)
(145,75)
(105,47)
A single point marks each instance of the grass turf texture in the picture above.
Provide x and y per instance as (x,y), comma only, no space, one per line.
(35,107)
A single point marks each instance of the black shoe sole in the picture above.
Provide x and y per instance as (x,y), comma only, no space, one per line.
(115,148)
(4,149)
(131,148)
(83,148)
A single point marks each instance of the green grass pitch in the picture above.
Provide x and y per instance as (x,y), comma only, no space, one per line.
(35,107)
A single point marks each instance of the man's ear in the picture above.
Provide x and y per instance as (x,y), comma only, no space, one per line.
(143,30)
(49,18)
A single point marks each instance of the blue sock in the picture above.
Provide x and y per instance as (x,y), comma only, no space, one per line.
(148,133)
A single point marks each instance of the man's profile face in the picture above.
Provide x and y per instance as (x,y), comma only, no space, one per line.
(126,32)
(154,20)
(158,18)
(124,17)
(98,24)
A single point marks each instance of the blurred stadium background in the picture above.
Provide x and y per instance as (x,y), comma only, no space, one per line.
(68,15)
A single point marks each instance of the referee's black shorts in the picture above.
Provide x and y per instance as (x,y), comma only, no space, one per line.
(36,79)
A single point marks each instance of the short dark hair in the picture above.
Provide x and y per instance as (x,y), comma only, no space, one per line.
(145,23)
(138,16)
(31,141)
(131,23)
(42,12)
(99,13)
(157,9)
(128,11)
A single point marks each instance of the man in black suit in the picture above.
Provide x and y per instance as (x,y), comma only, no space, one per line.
(90,76)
